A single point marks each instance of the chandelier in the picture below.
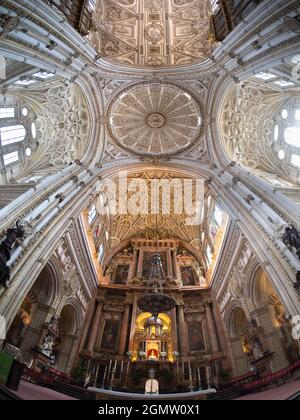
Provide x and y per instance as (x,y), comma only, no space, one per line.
(154,300)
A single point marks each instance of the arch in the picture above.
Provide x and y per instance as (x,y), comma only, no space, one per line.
(229,313)
(144,316)
(275,321)
(57,276)
(26,326)
(260,287)
(70,323)
(75,306)
(237,323)
(47,285)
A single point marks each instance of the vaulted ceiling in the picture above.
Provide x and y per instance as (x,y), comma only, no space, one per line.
(152,33)
(169,222)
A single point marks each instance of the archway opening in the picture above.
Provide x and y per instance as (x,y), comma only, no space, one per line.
(25,330)
(66,344)
(240,345)
(268,298)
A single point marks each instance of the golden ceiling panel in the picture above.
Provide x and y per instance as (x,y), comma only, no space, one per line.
(155,120)
(153,33)
(152,226)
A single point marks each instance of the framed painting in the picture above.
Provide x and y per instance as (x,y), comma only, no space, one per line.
(121,275)
(110,335)
(196,336)
(188,276)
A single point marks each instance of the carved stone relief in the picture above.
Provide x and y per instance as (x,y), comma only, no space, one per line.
(152,33)
(155,119)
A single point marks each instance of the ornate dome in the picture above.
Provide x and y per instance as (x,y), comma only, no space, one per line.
(154,119)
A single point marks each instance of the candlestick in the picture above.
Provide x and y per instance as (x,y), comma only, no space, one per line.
(191,377)
(104,377)
(96,376)
(208,376)
(199,378)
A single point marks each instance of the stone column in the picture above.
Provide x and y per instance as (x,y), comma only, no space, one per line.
(230,354)
(140,262)
(219,326)
(169,261)
(124,330)
(133,265)
(133,320)
(95,327)
(279,360)
(87,326)
(35,330)
(211,328)
(183,332)
(67,355)
(240,359)
(177,274)
(174,330)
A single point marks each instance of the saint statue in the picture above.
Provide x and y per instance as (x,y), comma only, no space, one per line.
(258,352)
(47,346)
(291,237)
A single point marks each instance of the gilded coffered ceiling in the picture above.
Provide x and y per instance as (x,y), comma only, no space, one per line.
(164,224)
(155,120)
(152,33)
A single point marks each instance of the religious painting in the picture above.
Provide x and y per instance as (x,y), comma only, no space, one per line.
(110,334)
(147,264)
(121,276)
(96,232)
(196,336)
(188,276)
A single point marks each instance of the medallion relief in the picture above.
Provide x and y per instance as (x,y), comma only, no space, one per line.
(154,119)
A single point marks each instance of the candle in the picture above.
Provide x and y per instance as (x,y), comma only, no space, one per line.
(208,376)
(191,377)
(96,376)
(122,366)
(199,377)
(104,377)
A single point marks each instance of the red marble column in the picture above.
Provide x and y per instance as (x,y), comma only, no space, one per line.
(211,328)
(95,328)
(124,331)
(183,332)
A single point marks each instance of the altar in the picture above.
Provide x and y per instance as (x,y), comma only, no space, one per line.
(104,395)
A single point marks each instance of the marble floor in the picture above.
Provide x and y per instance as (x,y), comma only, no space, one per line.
(32,392)
(280,393)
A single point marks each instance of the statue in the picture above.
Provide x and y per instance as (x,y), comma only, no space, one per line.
(47,346)
(201,273)
(291,238)
(258,352)
(12,235)
(110,269)
(297,284)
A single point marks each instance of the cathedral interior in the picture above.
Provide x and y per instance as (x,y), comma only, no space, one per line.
(150,198)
